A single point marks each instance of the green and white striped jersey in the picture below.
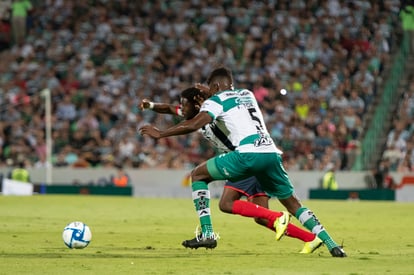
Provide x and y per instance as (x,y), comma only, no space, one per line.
(237,114)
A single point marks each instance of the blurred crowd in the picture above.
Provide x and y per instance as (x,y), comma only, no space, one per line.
(314,67)
(398,155)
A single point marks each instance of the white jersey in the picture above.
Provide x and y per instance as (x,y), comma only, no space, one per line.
(238,116)
(214,134)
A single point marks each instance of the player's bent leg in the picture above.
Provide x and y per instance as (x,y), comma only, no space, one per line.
(228,197)
(296,232)
(263,201)
(200,173)
(292,230)
(309,220)
(201,199)
(291,203)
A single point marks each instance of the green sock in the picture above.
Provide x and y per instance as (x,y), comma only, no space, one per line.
(309,220)
(201,198)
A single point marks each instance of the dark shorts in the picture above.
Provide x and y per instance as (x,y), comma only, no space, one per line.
(249,187)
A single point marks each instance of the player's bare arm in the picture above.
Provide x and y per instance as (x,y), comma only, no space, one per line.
(162,108)
(185,127)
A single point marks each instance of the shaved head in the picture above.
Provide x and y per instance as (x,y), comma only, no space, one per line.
(222,77)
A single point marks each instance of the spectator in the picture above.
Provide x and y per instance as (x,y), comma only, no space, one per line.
(66,110)
(356,102)
(5,34)
(87,74)
(19,12)
(121,179)
(61,161)
(407,18)
(20,173)
(82,160)
(260,92)
(381,173)
(126,148)
(396,144)
(328,181)
(405,166)
(338,101)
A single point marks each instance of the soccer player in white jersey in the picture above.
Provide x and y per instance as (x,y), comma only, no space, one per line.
(233,191)
(238,115)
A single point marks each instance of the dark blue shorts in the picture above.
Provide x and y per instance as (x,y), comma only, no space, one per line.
(249,187)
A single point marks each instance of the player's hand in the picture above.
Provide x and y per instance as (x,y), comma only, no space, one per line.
(199,99)
(205,93)
(150,130)
(203,88)
(145,104)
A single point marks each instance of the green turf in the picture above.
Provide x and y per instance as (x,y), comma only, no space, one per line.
(143,236)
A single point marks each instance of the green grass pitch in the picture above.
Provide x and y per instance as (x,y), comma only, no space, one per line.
(143,236)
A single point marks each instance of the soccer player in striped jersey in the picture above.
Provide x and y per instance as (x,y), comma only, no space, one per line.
(237,113)
(233,191)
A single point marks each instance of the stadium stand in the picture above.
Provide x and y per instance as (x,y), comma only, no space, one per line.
(100,58)
(396,113)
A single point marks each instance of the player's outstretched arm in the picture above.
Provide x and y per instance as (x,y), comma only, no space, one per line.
(162,108)
(184,127)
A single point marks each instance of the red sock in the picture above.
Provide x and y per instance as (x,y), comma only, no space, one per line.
(296,232)
(249,209)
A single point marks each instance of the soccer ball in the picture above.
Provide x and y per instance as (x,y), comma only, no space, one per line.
(77,235)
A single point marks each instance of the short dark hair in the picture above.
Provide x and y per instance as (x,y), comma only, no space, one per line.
(191,93)
(220,72)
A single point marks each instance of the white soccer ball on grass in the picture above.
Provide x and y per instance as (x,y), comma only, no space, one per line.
(77,235)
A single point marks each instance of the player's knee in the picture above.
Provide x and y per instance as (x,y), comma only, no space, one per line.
(197,176)
(226,207)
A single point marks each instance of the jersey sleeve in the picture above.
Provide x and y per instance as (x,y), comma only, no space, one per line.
(212,106)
